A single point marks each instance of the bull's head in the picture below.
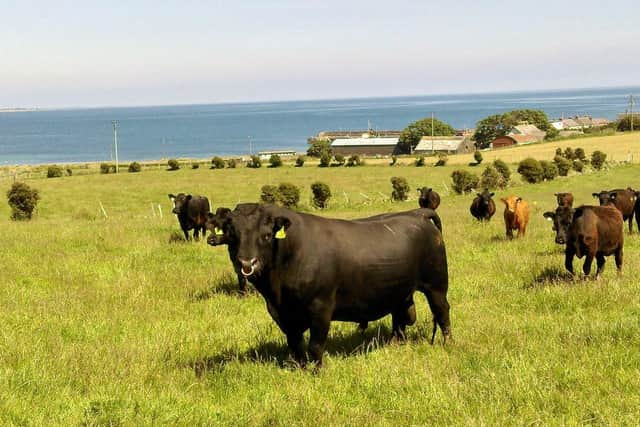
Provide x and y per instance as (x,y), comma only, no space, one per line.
(424,192)
(258,230)
(562,219)
(605,197)
(485,197)
(180,202)
(218,226)
(564,199)
(511,202)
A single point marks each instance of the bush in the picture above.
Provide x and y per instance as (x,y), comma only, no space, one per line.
(564,165)
(597,159)
(442,160)
(22,200)
(578,165)
(275,161)
(491,178)
(559,151)
(231,163)
(195,165)
(355,160)
(503,168)
(321,194)
(217,163)
(464,181)
(579,154)
(325,160)
(319,147)
(300,161)
(569,154)
(339,159)
(269,194)
(134,167)
(69,172)
(107,168)
(288,195)
(420,161)
(400,189)
(254,162)
(549,170)
(477,156)
(54,171)
(173,164)
(394,160)
(531,170)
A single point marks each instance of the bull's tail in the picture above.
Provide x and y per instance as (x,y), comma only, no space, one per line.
(433,216)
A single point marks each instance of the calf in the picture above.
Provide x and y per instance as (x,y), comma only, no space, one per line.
(192,213)
(590,231)
(623,200)
(428,198)
(217,224)
(564,199)
(483,207)
(516,215)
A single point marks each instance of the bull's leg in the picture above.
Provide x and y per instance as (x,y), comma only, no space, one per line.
(568,261)
(509,233)
(320,322)
(196,233)
(402,317)
(186,234)
(296,346)
(362,326)
(618,255)
(586,268)
(521,232)
(440,309)
(600,260)
(631,224)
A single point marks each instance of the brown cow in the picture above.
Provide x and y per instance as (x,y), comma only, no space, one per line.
(428,198)
(564,199)
(623,200)
(516,215)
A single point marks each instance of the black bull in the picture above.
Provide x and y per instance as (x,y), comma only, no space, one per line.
(312,270)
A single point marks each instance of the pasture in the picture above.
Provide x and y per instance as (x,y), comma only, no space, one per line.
(112,321)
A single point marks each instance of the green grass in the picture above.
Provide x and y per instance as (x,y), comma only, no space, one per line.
(109,321)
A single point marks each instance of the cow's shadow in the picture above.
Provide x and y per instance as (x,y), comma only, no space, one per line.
(227,285)
(550,276)
(277,352)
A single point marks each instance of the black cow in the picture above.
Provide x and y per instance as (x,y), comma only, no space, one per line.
(312,270)
(483,207)
(637,210)
(428,198)
(192,213)
(623,200)
(564,199)
(590,231)
(217,224)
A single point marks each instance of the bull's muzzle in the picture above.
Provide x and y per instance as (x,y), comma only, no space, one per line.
(248,267)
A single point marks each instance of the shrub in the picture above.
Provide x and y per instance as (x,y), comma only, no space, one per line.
(559,151)
(491,178)
(597,159)
(22,200)
(549,170)
(502,167)
(420,161)
(254,162)
(325,160)
(442,160)
(300,161)
(339,158)
(579,154)
(134,167)
(231,163)
(217,163)
(564,165)
(531,170)
(269,194)
(569,154)
(321,194)
(195,165)
(275,161)
(394,160)
(288,195)
(355,160)
(464,181)
(54,171)
(69,172)
(173,164)
(400,189)
(319,147)
(578,165)
(477,156)
(107,168)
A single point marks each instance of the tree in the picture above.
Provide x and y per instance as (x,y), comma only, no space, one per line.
(531,170)
(134,167)
(477,156)
(22,200)
(597,159)
(319,147)
(497,125)
(254,162)
(325,160)
(173,164)
(217,163)
(411,135)
(275,161)
(489,129)
(400,189)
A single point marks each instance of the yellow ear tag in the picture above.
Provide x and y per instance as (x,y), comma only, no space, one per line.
(280,234)
(218,232)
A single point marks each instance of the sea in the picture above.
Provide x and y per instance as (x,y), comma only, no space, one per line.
(239,129)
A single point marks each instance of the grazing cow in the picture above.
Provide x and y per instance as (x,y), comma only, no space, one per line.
(483,207)
(564,199)
(516,215)
(637,210)
(591,231)
(192,213)
(623,200)
(312,270)
(428,198)
(217,224)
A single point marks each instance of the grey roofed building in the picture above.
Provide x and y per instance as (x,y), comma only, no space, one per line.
(364,146)
(529,130)
(444,144)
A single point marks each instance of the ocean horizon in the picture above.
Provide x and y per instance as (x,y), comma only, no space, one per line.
(72,135)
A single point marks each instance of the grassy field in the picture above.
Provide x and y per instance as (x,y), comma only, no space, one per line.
(107,320)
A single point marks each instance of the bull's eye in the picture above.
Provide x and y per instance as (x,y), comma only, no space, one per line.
(267,237)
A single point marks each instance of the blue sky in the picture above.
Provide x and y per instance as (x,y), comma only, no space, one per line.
(69,53)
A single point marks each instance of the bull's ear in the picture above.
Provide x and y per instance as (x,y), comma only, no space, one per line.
(596,195)
(492,194)
(429,190)
(210,215)
(280,226)
(188,196)
(556,194)
(519,199)
(223,212)
(171,196)
(549,215)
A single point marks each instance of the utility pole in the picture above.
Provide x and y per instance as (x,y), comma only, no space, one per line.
(250,146)
(115,140)
(631,102)
(432,150)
